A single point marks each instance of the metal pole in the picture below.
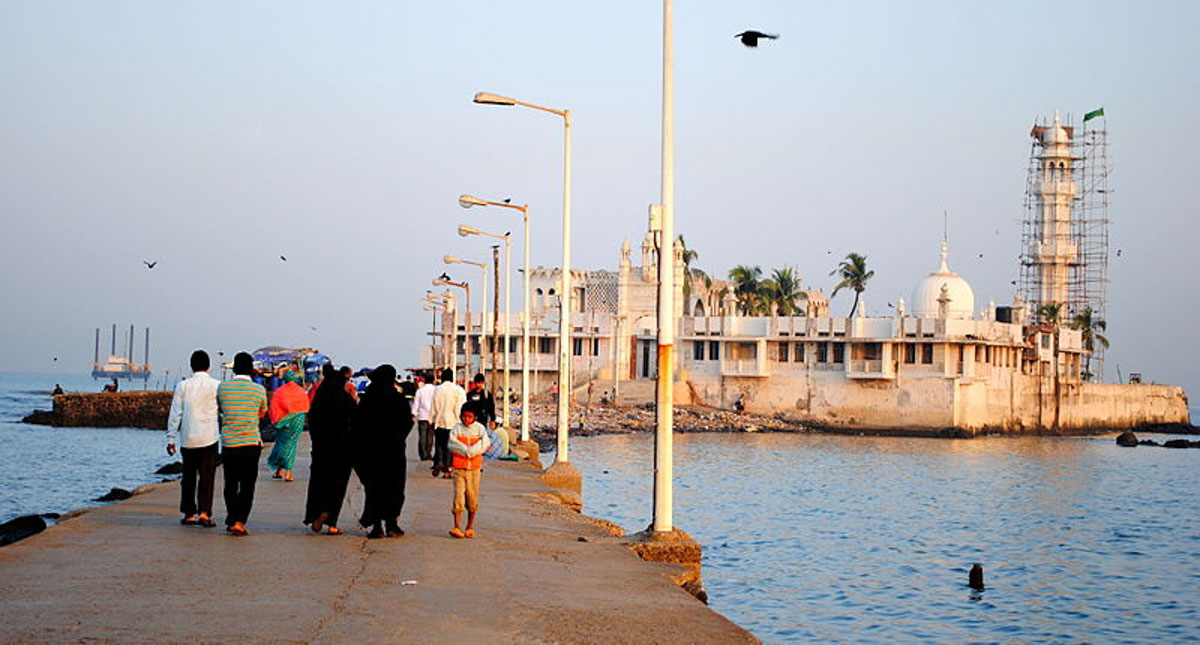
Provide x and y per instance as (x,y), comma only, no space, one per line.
(114,340)
(97,348)
(666,296)
(507,313)
(564,322)
(495,315)
(482,320)
(466,336)
(525,339)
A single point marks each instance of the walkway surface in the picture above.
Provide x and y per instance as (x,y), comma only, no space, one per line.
(129,572)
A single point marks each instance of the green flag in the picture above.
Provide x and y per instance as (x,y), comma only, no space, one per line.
(1093,114)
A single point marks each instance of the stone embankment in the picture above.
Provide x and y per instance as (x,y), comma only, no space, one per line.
(587,421)
(106,410)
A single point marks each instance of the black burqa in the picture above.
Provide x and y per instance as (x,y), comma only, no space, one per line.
(381,426)
(329,419)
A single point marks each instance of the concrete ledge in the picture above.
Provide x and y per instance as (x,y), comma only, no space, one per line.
(673,547)
(562,474)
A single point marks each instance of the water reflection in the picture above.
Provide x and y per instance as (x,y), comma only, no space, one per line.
(870,538)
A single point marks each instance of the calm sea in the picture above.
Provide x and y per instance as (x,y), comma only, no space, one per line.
(45,469)
(862,539)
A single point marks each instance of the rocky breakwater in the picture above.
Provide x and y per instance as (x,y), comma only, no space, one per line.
(587,421)
(107,410)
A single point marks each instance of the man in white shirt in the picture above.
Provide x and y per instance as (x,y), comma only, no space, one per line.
(422,408)
(192,425)
(448,399)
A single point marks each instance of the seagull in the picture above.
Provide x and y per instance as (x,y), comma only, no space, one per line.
(508,200)
(149,265)
(750,38)
(1118,252)
(891,305)
(1013,283)
(55,359)
(980,255)
(283,258)
(312,328)
(444,277)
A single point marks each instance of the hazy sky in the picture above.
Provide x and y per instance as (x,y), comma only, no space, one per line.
(213,137)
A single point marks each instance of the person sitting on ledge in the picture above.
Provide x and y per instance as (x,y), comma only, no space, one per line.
(57,390)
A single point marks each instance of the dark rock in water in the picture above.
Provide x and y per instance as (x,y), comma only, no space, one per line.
(114,495)
(1149,442)
(1181,443)
(50,516)
(21,528)
(975,577)
(39,417)
(176,467)
(1127,439)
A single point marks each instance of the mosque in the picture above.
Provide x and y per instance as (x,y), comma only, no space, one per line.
(936,362)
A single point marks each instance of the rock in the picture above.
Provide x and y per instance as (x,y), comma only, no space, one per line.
(975,577)
(1181,443)
(114,495)
(175,467)
(1149,442)
(1127,439)
(39,417)
(21,528)
(568,498)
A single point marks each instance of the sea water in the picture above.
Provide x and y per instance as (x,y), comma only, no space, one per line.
(869,539)
(55,470)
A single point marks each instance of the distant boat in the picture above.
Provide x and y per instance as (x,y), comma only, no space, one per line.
(118,367)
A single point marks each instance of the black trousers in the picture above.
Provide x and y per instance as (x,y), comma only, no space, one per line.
(198,463)
(425,440)
(241,473)
(328,479)
(441,456)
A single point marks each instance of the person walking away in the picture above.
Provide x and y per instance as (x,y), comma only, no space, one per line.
(192,425)
(468,441)
(381,426)
(287,410)
(349,374)
(423,407)
(448,400)
(482,402)
(326,370)
(329,428)
(241,403)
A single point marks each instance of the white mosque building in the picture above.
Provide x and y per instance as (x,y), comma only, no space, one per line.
(937,362)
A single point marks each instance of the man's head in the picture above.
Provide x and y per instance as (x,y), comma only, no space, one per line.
(478,382)
(200,361)
(328,370)
(243,364)
(467,416)
(447,375)
(347,372)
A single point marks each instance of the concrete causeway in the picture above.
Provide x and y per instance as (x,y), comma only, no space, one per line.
(129,572)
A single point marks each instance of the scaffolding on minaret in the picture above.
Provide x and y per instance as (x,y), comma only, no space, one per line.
(1065,232)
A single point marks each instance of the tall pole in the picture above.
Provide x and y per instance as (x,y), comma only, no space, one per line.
(564,322)
(482,321)
(466,336)
(97,361)
(525,338)
(495,313)
(666,296)
(507,314)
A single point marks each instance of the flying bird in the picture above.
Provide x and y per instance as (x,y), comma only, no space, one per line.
(444,277)
(1013,283)
(149,265)
(508,200)
(312,328)
(750,38)
(55,359)
(1118,252)
(980,255)
(889,304)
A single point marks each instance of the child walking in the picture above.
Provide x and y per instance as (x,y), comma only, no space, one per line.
(468,442)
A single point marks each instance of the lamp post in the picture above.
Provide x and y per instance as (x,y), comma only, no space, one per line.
(436,308)
(564,328)
(467,343)
(466,201)
(450,259)
(446,301)
(663,439)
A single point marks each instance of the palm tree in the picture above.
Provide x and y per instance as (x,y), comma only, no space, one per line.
(1091,329)
(854,274)
(689,256)
(783,291)
(746,288)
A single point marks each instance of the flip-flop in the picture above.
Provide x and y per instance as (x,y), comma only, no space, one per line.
(457,532)
(287,476)
(470,533)
(206,522)
(189,521)
(238,531)
(333,530)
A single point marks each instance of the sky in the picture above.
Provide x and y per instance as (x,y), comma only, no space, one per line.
(214,137)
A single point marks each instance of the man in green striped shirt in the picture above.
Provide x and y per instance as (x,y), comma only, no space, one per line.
(241,403)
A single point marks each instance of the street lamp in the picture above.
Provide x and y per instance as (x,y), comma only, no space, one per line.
(467,201)
(446,303)
(467,342)
(450,259)
(663,438)
(564,328)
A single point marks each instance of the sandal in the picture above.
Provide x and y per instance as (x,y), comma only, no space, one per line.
(470,533)
(457,532)
(238,531)
(333,530)
(287,476)
(206,522)
(189,521)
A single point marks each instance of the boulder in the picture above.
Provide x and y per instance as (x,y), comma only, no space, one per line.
(173,468)
(21,528)
(1181,443)
(114,495)
(1127,439)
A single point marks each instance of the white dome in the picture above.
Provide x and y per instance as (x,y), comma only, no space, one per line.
(961,297)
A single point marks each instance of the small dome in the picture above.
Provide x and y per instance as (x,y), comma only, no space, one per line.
(961,297)
(1055,135)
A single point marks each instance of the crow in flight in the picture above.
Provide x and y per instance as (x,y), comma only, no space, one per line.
(750,38)
(283,258)
(149,265)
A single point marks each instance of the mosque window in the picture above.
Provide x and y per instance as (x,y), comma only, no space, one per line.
(910,353)
(783,352)
(839,352)
(595,347)
(577,347)
(799,352)
(714,350)
(697,350)
(822,352)
(545,345)
(927,354)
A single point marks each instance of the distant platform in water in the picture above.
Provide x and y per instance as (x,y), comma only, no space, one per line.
(120,367)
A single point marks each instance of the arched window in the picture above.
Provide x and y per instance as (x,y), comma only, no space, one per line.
(698,310)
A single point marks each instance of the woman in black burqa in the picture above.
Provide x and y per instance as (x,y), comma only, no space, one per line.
(381,427)
(329,419)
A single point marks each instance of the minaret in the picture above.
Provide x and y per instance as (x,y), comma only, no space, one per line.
(1051,248)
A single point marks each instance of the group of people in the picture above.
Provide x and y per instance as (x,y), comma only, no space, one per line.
(350,432)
